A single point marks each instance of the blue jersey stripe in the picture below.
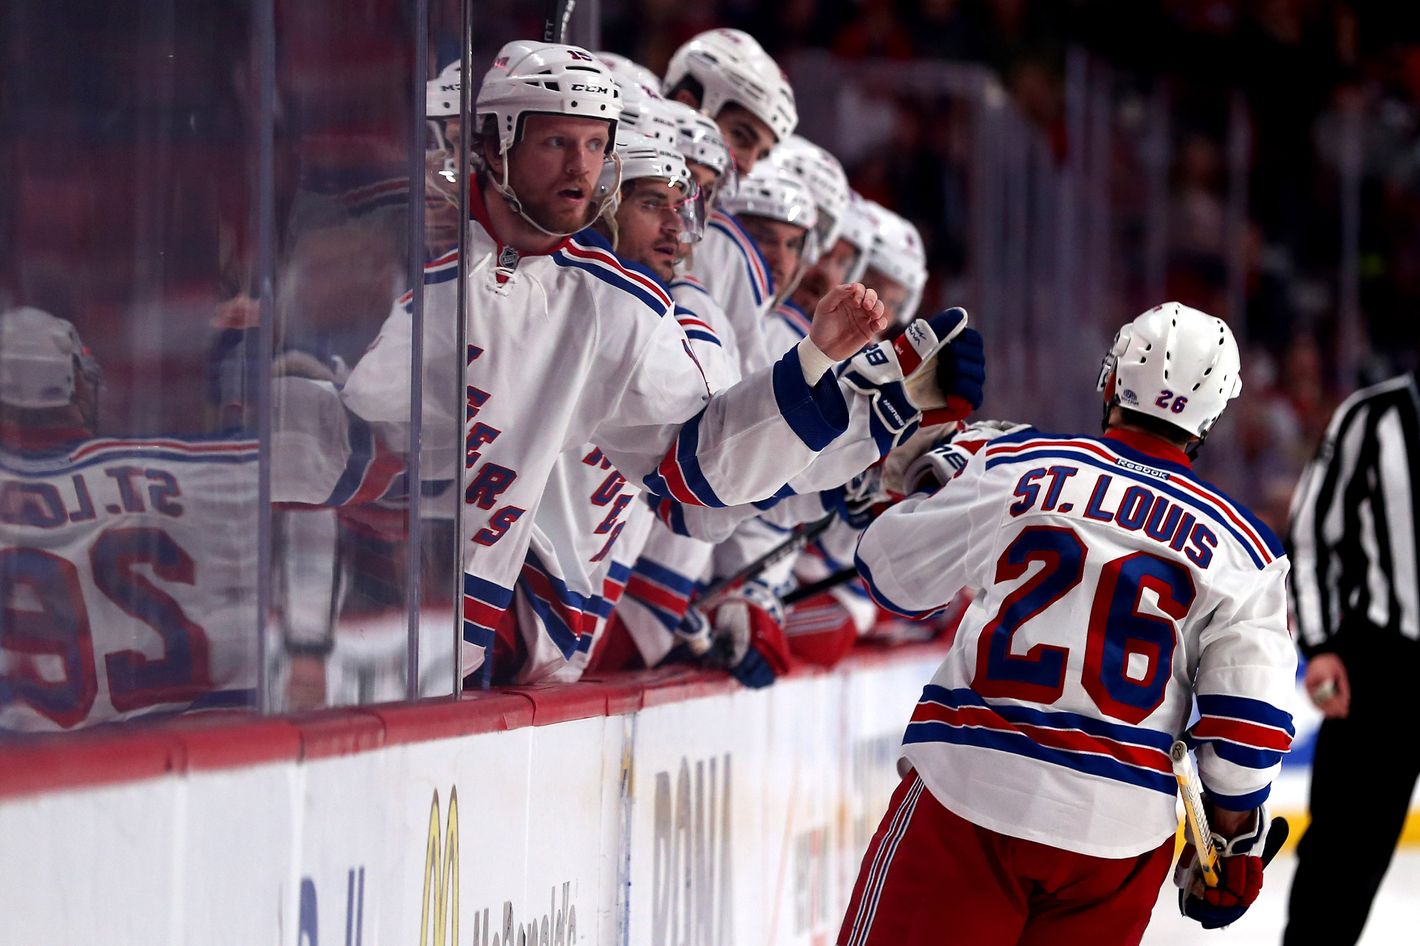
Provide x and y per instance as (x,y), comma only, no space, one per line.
(1022,745)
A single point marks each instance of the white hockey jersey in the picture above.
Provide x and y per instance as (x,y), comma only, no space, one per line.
(128,580)
(1112,586)
(592,521)
(711,334)
(729,264)
(572,347)
(785,326)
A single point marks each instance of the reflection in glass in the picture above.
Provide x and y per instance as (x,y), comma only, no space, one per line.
(125,591)
(128,476)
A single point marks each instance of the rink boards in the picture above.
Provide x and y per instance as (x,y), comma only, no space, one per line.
(674,809)
(662,808)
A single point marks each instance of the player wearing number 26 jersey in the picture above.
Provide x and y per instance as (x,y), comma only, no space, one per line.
(127,583)
(1112,588)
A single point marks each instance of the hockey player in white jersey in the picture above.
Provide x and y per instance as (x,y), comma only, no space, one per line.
(827,183)
(897,264)
(565,345)
(127,585)
(589,512)
(1114,587)
(728,76)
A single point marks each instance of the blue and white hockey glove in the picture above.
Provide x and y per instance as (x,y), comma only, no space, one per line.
(749,636)
(961,373)
(856,501)
(1241,860)
(903,378)
(941,463)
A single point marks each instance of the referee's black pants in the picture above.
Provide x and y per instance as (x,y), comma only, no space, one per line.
(1362,777)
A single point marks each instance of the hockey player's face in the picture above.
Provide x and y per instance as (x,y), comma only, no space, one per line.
(554,166)
(781,243)
(706,179)
(649,226)
(890,291)
(830,270)
(749,138)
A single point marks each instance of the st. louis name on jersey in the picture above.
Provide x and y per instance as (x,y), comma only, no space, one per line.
(1111,586)
(127,580)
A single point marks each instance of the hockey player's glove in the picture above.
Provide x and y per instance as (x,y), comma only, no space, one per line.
(921,371)
(749,636)
(1241,860)
(960,374)
(946,458)
(694,633)
(856,502)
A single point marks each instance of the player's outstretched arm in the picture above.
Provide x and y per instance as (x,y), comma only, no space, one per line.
(846,319)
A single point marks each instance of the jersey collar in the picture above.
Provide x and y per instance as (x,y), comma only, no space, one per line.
(1149,445)
(478,211)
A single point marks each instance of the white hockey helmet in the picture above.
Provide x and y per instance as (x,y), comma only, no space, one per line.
(777,193)
(731,66)
(702,142)
(442,94)
(645,113)
(898,254)
(772,190)
(623,69)
(859,229)
(530,78)
(644,157)
(42,360)
(1176,364)
(826,180)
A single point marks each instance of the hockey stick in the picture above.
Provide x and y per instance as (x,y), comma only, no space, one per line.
(1188,786)
(559,14)
(1187,778)
(792,545)
(826,583)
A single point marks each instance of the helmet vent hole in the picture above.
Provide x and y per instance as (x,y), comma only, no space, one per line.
(1207,371)
(1148,347)
(1198,385)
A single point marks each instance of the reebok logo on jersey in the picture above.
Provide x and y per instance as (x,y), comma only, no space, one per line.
(1141,468)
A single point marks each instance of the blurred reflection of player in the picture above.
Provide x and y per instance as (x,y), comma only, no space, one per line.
(127,580)
(441,161)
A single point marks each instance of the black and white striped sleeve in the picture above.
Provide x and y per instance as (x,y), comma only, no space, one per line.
(1352,537)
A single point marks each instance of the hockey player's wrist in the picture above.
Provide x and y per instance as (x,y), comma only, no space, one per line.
(812,361)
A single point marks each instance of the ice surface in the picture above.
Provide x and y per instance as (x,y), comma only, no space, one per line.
(1394,916)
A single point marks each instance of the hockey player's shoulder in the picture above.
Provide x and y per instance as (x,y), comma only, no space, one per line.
(756,267)
(1255,536)
(588,257)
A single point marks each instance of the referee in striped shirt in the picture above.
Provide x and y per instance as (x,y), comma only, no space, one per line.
(1355,523)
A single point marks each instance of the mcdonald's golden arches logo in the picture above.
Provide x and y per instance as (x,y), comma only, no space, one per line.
(441,877)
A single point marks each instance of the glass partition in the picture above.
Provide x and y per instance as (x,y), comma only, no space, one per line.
(210,215)
(130,575)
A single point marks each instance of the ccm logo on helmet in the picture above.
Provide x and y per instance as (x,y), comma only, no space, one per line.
(594,89)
